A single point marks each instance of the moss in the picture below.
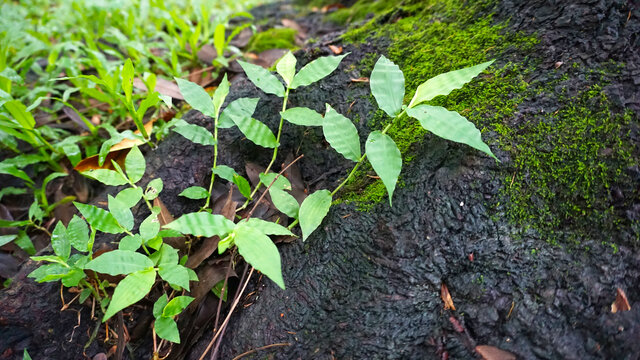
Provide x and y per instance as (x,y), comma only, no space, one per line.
(276,38)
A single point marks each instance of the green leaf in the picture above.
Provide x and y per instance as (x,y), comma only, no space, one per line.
(35,212)
(127,79)
(20,114)
(78,234)
(256,131)
(176,305)
(195,96)
(221,93)
(316,70)
(130,290)
(106,176)
(60,242)
(449,125)
(284,202)
(24,242)
(258,250)
(263,79)
(243,185)
(385,158)
(159,305)
(5,239)
(341,134)
(119,262)
(202,224)
(167,329)
(279,181)
(443,84)
(387,86)
(130,196)
(121,212)
(195,193)
(25,355)
(154,187)
(313,210)
(302,116)
(286,67)
(218,39)
(50,258)
(130,242)
(217,290)
(195,133)
(175,274)
(239,108)
(49,272)
(267,227)
(12,170)
(224,172)
(73,277)
(150,227)
(98,218)
(135,164)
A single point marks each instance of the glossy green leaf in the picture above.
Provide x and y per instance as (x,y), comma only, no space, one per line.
(221,93)
(60,242)
(166,328)
(14,171)
(135,164)
(159,305)
(263,79)
(127,79)
(130,290)
(202,224)
(195,133)
(195,193)
(243,185)
(150,226)
(154,187)
(20,114)
(266,227)
(224,172)
(341,134)
(303,116)
(218,39)
(119,262)
(49,272)
(175,274)
(195,96)
(258,250)
(121,212)
(73,277)
(99,219)
(106,176)
(387,86)
(130,242)
(443,84)
(284,202)
(313,210)
(5,239)
(316,70)
(78,234)
(239,108)
(449,125)
(286,67)
(130,196)
(256,131)
(176,305)
(385,158)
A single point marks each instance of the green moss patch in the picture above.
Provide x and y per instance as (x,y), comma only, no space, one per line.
(276,38)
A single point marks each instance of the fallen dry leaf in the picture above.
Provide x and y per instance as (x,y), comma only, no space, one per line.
(332,7)
(621,303)
(242,39)
(446,297)
(489,352)
(336,49)
(360,79)
(164,87)
(117,152)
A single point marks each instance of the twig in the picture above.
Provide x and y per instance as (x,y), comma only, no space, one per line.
(260,348)
(223,328)
(226,320)
(222,293)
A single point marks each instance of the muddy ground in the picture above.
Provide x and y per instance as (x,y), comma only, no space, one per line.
(367,285)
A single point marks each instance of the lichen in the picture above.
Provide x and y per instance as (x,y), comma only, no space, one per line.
(275,38)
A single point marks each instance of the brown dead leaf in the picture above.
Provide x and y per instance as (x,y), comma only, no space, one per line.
(117,152)
(207,54)
(360,79)
(332,7)
(446,297)
(242,39)
(209,276)
(201,76)
(621,303)
(164,87)
(164,218)
(336,49)
(489,352)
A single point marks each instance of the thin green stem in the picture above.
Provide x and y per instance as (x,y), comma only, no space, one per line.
(215,160)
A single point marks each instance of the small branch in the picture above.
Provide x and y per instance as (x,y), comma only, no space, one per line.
(260,348)
(271,184)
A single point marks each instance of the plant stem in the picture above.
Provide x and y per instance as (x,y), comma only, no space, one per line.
(215,159)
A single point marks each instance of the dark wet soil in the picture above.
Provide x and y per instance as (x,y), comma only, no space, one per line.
(367,285)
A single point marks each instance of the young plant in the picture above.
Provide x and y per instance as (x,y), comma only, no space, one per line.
(140,270)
